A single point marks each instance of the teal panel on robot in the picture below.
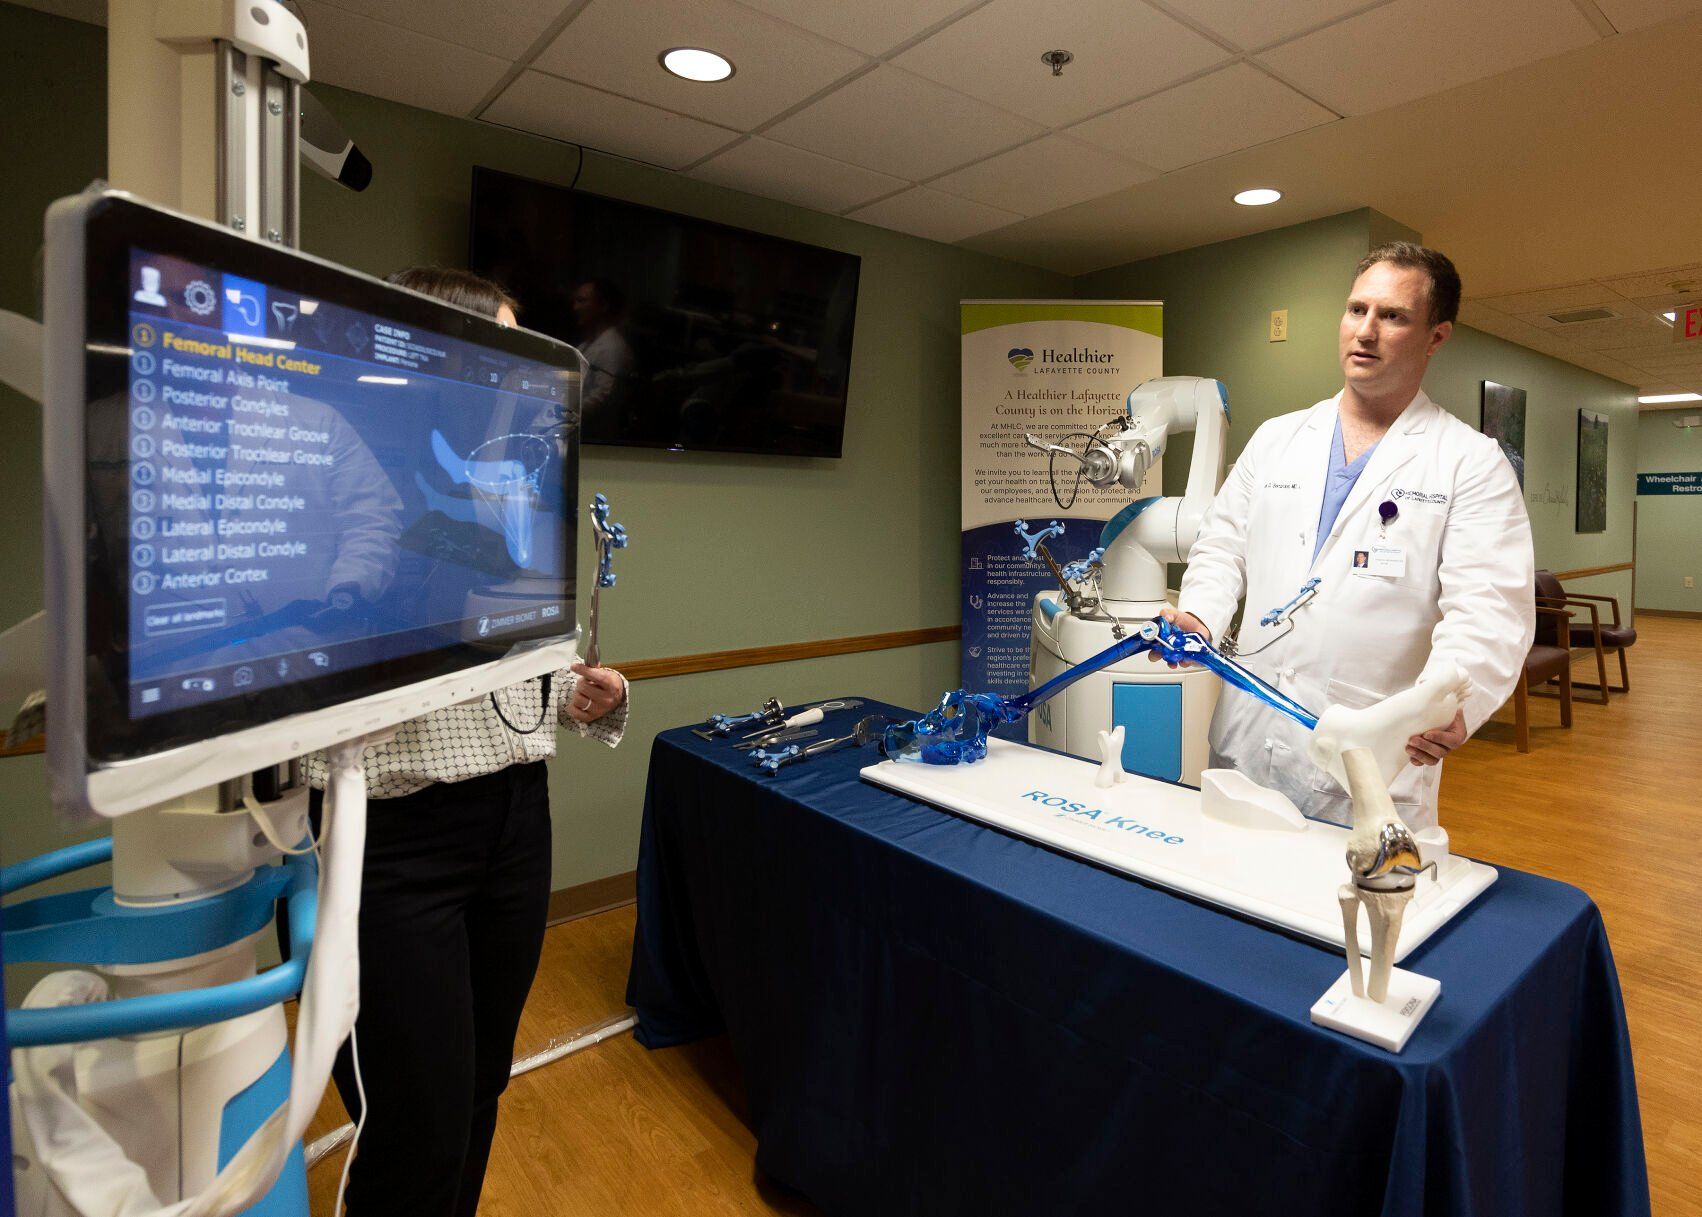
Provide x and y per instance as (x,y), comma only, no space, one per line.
(246,1112)
(1151,718)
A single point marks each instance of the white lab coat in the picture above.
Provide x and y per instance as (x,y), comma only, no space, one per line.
(1466,594)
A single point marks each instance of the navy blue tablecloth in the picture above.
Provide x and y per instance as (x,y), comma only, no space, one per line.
(935,1017)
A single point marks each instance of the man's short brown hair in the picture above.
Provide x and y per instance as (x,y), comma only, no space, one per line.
(459,287)
(1444,279)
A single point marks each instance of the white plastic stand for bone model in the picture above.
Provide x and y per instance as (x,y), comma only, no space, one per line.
(1388,1023)
(1111,770)
(1385,1007)
(1230,796)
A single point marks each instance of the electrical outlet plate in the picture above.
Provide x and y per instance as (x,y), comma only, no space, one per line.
(1279,325)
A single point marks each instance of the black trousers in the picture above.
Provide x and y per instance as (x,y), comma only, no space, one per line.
(455,892)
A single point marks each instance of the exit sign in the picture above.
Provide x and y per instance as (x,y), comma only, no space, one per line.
(1687,323)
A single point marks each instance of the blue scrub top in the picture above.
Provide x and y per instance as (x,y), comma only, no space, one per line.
(1338,484)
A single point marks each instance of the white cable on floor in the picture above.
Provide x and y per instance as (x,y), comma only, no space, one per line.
(566,1045)
(354,1135)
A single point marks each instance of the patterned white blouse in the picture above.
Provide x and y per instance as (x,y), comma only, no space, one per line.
(471,739)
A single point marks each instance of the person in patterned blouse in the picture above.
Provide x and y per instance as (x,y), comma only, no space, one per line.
(456,886)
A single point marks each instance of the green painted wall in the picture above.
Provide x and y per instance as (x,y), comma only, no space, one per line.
(1554,393)
(728,551)
(1217,305)
(1669,526)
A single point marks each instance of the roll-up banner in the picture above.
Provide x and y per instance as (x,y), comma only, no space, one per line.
(1058,369)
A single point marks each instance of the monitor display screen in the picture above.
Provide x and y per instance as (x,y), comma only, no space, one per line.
(305,486)
(697,336)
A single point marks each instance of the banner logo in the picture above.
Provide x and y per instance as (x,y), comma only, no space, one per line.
(1020,357)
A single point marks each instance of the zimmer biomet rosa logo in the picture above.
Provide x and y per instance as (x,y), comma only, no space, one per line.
(1020,357)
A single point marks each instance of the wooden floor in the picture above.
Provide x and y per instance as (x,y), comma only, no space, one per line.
(1608,806)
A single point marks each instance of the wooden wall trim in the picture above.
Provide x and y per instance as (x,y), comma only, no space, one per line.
(1587,571)
(597,896)
(1685,613)
(719,661)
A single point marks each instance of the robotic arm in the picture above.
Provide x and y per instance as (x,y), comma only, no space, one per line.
(1139,540)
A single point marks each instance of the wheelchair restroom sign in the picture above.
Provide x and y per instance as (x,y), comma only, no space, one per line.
(1669,483)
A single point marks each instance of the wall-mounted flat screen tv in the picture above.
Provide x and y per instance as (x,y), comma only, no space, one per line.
(698,336)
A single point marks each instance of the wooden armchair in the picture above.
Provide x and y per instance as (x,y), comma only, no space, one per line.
(1549,659)
(1597,636)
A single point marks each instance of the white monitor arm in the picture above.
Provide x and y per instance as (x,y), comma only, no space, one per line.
(1139,540)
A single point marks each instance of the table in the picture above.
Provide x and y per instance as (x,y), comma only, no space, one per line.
(933,1017)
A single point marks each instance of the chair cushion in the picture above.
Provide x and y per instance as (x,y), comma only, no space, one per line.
(1545,663)
(1614,637)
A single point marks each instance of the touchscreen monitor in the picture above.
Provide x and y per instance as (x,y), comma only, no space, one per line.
(299,486)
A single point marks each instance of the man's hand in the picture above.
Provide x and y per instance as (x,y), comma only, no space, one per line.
(1432,746)
(1188,624)
(595,693)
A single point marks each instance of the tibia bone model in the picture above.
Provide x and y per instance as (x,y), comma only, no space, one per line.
(1385,727)
(1383,859)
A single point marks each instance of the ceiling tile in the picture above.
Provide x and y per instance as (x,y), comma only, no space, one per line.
(387,61)
(934,215)
(1659,282)
(1634,14)
(1641,330)
(871,26)
(560,109)
(1224,112)
(506,28)
(1476,313)
(1675,366)
(779,171)
(1121,50)
(1552,299)
(1250,26)
(1667,301)
(1602,365)
(1413,48)
(897,123)
(617,44)
(1052,172)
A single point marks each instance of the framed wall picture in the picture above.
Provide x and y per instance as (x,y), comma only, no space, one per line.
(1504,422)
(1592,471)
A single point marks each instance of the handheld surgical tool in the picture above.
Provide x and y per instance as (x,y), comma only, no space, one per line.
(867,731)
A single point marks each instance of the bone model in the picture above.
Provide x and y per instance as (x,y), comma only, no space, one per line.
(1111,771)
(1385,727)
(1364,749)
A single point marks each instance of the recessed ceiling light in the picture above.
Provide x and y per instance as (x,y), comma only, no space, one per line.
(1661,399)
(1258,198)
(695,63)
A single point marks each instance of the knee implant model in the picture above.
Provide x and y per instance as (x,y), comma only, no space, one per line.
(1364,749)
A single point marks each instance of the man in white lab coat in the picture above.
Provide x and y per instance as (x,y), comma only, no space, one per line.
(1433,506)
